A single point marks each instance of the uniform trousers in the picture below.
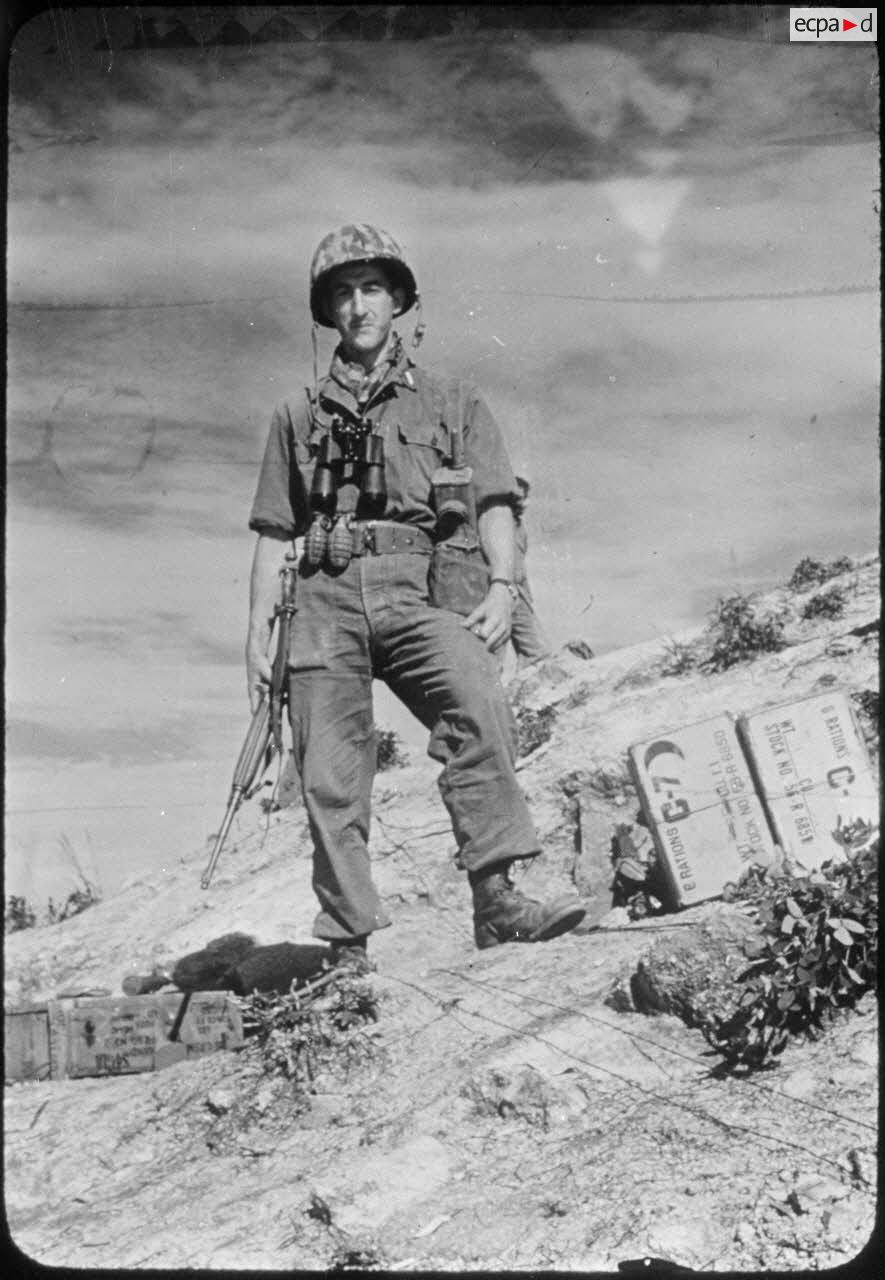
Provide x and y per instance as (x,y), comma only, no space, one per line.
(374,620)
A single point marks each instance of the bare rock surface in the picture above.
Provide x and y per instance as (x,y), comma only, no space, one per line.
(500,1115)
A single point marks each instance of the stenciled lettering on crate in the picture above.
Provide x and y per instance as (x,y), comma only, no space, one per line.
(699,800)
(813,772)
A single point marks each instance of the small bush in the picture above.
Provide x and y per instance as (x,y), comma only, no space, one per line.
(826,604)
(679,658)
(77,900)
(19,914)
(810,573)
(842,564)
(297,1037)
(737,633)
(819,956)
(389,749)
(351,1257)
(866,702)
(534,728)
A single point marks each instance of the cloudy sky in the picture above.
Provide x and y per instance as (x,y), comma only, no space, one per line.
(654,248)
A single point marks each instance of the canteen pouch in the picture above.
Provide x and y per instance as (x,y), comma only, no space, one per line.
(459,574)
(458,578)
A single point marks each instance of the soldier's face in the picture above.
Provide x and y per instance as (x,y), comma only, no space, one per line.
(362,306)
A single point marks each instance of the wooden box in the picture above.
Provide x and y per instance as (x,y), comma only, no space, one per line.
(26,1043)
(814,775)
(698,798)
(118,1035)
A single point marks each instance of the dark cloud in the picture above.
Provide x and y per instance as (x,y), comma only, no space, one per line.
(484,111)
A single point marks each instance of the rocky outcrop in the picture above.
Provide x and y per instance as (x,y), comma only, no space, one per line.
(693,974)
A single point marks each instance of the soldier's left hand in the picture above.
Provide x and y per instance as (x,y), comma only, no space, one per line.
(490,621)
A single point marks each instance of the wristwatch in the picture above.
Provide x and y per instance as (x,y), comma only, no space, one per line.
(511,587)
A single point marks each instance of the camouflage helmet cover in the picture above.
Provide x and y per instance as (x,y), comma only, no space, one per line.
(358,242)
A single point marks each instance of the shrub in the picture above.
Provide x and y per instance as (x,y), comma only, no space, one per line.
(819,956)
(809,572)
(678,659)
(534,728)
(19,914)
(297,1037)
(867,703)
(388,748)
(842,564)
(826,604)
(738,632)
(77,900)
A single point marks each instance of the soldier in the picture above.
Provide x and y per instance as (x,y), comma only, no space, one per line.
(350,466)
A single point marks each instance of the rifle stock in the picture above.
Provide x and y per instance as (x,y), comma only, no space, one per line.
(264,736)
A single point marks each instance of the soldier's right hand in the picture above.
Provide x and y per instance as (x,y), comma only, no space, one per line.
(258,675)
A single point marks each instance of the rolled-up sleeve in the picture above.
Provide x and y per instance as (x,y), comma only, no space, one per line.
(273,507)
(485,451)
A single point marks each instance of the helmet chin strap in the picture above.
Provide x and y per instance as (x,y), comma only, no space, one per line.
(420,326)
(316,376)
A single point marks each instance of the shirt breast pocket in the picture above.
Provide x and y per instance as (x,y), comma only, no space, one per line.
(300,478)
(415,452)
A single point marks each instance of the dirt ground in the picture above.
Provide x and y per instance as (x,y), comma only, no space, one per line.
(499,1115)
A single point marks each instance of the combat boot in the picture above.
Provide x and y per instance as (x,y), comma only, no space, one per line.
(351,953)
(502,913)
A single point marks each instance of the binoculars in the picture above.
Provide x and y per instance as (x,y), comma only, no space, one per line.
(348,451)
(365,458)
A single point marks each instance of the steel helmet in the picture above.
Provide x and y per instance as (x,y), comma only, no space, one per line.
(358,242)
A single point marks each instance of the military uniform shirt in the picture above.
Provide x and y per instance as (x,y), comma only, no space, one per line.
(411,410)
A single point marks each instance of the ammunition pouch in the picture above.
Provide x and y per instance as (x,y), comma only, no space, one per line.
(459,573)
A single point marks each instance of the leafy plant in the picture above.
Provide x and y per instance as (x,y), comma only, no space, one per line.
(679,658)
(298,1036)
(534,727)
(810,572)
(350,1257)
(867,703)
(19,914)
(819,956)
(388,748)
(826,604)
(78,900)
(738,632)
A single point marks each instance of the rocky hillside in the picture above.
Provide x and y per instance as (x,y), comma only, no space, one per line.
(503,1112)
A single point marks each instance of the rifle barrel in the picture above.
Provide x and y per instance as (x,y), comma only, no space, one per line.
(248,762)
(265,729)
(233,804)
(254,746)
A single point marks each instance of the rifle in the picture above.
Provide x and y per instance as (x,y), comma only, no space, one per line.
(264,738)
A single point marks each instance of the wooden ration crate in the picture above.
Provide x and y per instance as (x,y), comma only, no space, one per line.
(814,775)
(698,798)
(26,1043)
(111,1035)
